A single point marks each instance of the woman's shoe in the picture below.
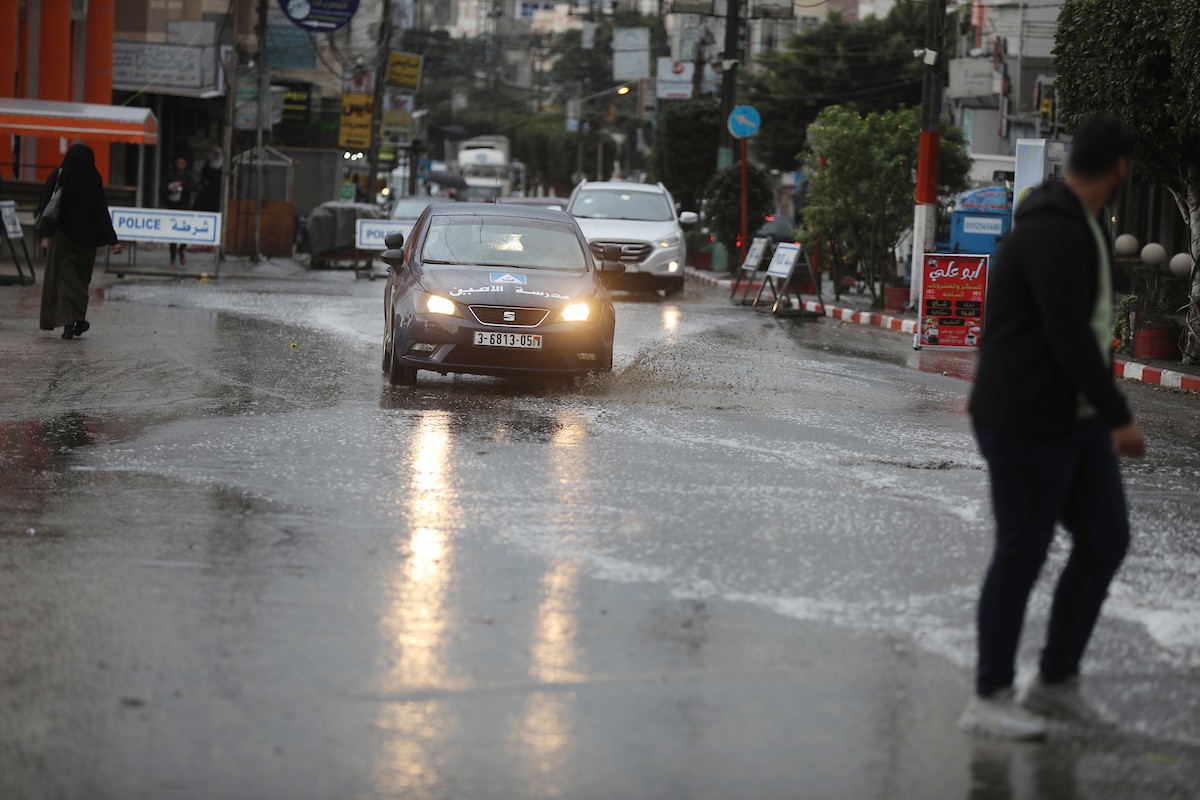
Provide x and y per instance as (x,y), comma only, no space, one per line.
(82,327)
(68,332)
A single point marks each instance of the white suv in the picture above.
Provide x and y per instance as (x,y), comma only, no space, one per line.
(641,218)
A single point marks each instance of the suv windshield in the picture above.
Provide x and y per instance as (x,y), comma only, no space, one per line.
(621,204)
(503,242)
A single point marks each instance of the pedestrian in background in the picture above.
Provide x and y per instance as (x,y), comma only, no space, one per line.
(208,196)
(81,225)
(1050,423)
(178,191)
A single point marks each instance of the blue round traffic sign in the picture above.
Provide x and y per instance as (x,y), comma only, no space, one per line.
(319,16)
(744,122)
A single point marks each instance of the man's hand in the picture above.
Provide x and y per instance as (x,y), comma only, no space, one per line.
(1128,441)
(117,249)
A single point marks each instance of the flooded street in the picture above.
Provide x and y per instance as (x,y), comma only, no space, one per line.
(237,564)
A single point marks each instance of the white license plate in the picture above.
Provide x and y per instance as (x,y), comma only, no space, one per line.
(527,341)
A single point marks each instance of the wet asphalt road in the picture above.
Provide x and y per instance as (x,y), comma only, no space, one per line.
(236,564)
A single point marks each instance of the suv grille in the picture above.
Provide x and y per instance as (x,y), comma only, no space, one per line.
(510,316)
(631,252)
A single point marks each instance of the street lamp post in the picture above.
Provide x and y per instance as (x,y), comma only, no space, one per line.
(619,89)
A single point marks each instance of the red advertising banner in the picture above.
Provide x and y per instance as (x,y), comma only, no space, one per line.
(953,295)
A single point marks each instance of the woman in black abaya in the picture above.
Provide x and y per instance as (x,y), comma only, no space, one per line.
(84,225)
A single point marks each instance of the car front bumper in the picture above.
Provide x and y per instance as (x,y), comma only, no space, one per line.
(446,344)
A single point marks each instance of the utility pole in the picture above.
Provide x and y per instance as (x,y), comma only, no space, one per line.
(729,70)
(925,211)
(264,110)
(377,110)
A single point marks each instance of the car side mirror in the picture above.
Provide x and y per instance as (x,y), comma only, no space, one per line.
(394,240)
(393,257)
(688,218)
(612,264)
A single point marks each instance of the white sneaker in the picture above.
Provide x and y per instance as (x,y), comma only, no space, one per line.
(1064,701)
(999,717)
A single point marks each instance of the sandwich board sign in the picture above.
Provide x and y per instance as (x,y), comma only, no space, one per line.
(787,264)
(751,265)
(953,300)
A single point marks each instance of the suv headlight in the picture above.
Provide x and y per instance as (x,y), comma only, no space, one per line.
(670,241)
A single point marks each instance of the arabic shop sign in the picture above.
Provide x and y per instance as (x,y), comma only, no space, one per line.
(319,16)
(137,66)
(404,71)
(354,129)
(165,225)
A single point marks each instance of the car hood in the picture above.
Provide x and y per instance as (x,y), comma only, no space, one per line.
(623,230)
(497,286)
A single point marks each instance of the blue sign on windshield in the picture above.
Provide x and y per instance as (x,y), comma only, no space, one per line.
(319,16)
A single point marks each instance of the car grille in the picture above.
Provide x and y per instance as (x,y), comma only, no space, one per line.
(468,355)
(631,252)
(520,317)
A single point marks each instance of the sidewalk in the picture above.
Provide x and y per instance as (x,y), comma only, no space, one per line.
(855,309)
(153,261)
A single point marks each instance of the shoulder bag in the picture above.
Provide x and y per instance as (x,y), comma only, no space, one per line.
(47,223)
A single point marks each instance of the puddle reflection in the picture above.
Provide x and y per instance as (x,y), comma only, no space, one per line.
(547,727)
(671,316)
(1007,771)
(414,629)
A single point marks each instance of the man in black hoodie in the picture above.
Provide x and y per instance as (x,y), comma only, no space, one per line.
(1050,423)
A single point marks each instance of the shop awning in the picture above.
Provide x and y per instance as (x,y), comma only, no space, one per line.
(91,121)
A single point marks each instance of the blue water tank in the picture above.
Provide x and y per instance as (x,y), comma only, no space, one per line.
(980,219)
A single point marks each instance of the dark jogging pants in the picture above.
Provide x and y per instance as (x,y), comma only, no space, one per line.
(1035,483)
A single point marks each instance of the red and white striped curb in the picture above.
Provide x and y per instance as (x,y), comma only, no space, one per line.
(1133,371)
(885,321)
(1128,370)
(707,278)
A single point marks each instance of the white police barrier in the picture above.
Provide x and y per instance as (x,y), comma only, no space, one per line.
(12,232)
(370,233)
(166,225)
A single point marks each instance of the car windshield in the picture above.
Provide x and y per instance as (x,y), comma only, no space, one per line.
(410,207)
(503,242)
(620,204)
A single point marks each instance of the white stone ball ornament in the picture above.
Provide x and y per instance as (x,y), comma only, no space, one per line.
(1126,245)
(1154,254)
(1181,265)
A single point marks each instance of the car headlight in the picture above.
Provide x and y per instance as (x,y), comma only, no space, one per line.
(436,304)
(576,312)
(670,241)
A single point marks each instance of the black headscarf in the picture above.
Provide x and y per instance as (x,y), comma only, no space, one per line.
(83,214)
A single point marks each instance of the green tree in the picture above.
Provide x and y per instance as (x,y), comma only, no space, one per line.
(1140,60)
(863,170)
(685,148)
(869,63)
(724,198)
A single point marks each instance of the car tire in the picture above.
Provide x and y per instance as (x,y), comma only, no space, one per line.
(672,287)
(398,374)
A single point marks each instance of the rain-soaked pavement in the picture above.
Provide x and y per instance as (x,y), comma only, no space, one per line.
(235,564)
